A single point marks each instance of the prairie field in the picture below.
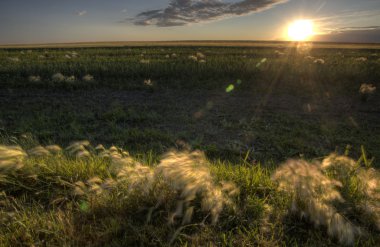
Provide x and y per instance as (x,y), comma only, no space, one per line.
(190,144)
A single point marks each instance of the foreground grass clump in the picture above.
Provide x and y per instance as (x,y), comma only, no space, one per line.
(337,193)
(94,196)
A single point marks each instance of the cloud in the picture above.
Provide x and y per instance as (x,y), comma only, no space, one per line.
(341,27)
(124,11)
(348,15)
(345,29)
(365,34)
(81,13)
(185,12)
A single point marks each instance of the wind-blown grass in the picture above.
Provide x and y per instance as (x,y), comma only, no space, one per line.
(331,192)
(58,196)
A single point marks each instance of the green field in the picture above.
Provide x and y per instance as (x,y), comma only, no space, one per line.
(248,107)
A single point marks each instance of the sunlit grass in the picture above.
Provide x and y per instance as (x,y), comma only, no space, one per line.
(111,197)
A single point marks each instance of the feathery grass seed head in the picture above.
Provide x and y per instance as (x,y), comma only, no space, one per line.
(58,77)
(34,78)
(314,195)
(11,158)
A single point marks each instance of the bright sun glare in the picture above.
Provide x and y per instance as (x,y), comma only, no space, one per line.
(300,30)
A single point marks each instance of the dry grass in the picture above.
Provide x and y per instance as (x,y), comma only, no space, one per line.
(11,158)
(189,175)
(320,191)
(182,189)
(85,185)
(314,196)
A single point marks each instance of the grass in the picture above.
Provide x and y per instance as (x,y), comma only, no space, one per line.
(128,67)
(113,199)
(272,104)
(254,111)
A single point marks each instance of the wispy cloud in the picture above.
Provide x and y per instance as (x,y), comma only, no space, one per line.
(81,13)
(124,11)
(185,12)
(344,18)
(345,29)
(364,34)
(348,14)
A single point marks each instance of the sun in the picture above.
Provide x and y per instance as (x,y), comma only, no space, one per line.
(301,30)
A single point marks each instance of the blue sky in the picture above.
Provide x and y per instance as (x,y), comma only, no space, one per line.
(46,21)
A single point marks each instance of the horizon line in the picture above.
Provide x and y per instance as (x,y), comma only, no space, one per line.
(169,42)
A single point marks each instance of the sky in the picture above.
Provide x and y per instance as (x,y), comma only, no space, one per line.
(57,21)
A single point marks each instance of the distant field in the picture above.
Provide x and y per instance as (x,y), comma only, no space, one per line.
(274,44)
(247,106)
(274,103)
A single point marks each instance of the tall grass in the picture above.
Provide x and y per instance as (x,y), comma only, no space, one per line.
(58,196)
